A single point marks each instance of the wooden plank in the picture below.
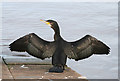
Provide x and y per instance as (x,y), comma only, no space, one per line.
(6,74)
(0,68)
(25,60)
(41,72)
(33,69)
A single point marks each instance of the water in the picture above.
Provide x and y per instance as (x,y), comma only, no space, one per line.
(75,20)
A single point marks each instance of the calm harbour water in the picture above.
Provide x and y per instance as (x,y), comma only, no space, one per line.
(75,20)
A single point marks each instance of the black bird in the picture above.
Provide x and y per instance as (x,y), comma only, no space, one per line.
(59,49)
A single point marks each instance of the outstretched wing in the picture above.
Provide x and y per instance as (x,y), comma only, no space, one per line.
(85,47)
(33,45)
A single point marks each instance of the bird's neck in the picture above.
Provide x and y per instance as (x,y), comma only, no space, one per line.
(57,33)
(57,36)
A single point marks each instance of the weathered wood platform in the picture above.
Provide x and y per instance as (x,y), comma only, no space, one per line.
(37,71)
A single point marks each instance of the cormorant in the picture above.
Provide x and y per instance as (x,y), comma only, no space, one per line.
(59,49)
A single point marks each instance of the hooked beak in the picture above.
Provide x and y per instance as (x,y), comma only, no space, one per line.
(45,22)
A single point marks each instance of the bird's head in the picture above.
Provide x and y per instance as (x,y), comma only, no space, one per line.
(53,24)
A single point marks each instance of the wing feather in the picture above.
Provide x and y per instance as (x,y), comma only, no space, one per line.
(33,45)
(85,47)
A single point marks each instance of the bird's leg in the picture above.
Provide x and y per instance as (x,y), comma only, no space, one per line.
(63,67)
(58,68)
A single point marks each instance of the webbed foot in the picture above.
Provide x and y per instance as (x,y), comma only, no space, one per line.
(56,69)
